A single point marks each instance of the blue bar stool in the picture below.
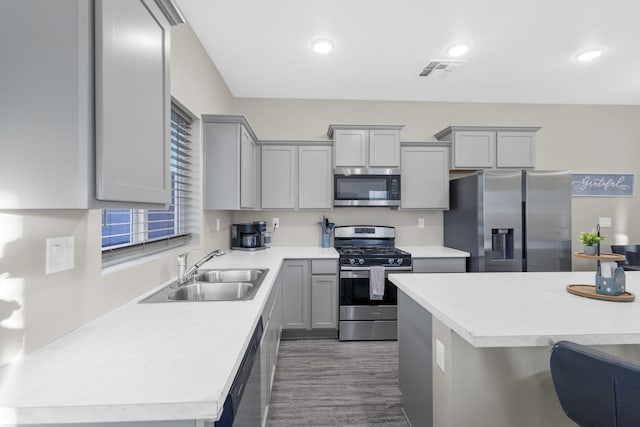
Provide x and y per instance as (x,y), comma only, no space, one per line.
(596,388)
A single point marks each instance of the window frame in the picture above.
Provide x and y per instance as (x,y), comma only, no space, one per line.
(139,247)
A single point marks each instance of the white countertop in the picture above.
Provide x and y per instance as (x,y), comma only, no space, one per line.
(524,309)
(160,361)
(434,252)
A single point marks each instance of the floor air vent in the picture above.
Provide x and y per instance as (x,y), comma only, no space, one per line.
(438,66)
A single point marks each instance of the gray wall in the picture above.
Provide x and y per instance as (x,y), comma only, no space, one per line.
(36,308)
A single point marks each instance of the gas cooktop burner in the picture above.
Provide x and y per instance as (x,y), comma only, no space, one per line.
(366,246)
(370,250)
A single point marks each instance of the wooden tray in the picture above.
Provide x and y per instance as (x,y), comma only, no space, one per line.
(589,291)
(602,257)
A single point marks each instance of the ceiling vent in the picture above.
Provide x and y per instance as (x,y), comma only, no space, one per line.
(440,66)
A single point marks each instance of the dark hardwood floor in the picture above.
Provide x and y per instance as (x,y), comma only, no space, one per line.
(331,383)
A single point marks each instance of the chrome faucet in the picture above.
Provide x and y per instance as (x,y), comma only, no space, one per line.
(184,274)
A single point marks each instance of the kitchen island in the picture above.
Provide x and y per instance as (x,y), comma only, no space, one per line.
(474,348)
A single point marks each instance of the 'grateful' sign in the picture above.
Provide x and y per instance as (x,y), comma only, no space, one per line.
(592,184)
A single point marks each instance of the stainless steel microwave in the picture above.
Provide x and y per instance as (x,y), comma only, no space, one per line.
(366,187)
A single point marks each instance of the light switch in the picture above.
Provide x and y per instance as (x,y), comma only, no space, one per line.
(60,254)
(440,354)
(604,221)
(420,222)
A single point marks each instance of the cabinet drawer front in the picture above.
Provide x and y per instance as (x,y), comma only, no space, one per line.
(439,265)
(324,266)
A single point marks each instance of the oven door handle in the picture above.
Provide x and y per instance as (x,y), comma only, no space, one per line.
(361,273)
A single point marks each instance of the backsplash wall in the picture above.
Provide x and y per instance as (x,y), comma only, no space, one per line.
(300,228)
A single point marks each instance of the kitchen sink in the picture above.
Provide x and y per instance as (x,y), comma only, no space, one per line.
(213,291)
(213,285)
(241,275)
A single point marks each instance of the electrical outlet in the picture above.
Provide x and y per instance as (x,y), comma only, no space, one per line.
(60,254)
(420,222)
(276,223)
(440,354)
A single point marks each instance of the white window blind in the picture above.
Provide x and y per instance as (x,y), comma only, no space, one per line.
(128,233)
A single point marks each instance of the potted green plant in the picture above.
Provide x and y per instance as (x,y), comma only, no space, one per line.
(590,242)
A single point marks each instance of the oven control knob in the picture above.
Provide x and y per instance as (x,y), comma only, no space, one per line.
(390,261)
(361,261)
(352,261)
(399,261)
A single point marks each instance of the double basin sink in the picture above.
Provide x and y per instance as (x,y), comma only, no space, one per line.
(213,285)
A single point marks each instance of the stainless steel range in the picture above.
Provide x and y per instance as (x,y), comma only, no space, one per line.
(361,248)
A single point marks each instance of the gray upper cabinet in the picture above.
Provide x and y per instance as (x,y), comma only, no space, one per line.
(132,102)
(425,177)
(366,146)
(296,176)
(55,153)
(485,147)
(231,163)
(315,177)
(279,177)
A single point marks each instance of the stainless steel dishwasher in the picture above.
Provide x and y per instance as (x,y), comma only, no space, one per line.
(243,406)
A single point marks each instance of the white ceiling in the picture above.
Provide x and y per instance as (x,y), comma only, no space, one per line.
(521,52)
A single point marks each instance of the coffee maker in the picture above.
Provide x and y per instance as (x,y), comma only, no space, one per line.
(248,237)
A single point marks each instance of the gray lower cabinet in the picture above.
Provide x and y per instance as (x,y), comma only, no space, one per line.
(231,163)
(296,301)
(57,154)
(439,265)
(296,176)
(415,369)
(425,177)
(310,298)
(272,323)
(324,303)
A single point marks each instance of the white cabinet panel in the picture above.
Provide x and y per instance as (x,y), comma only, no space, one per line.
(248,171)
(425,177)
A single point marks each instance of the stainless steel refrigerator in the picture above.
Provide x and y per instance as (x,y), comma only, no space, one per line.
(511,220)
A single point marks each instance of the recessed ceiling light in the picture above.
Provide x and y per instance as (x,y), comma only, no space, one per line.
(322,45)
(458,49)
(588,55)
